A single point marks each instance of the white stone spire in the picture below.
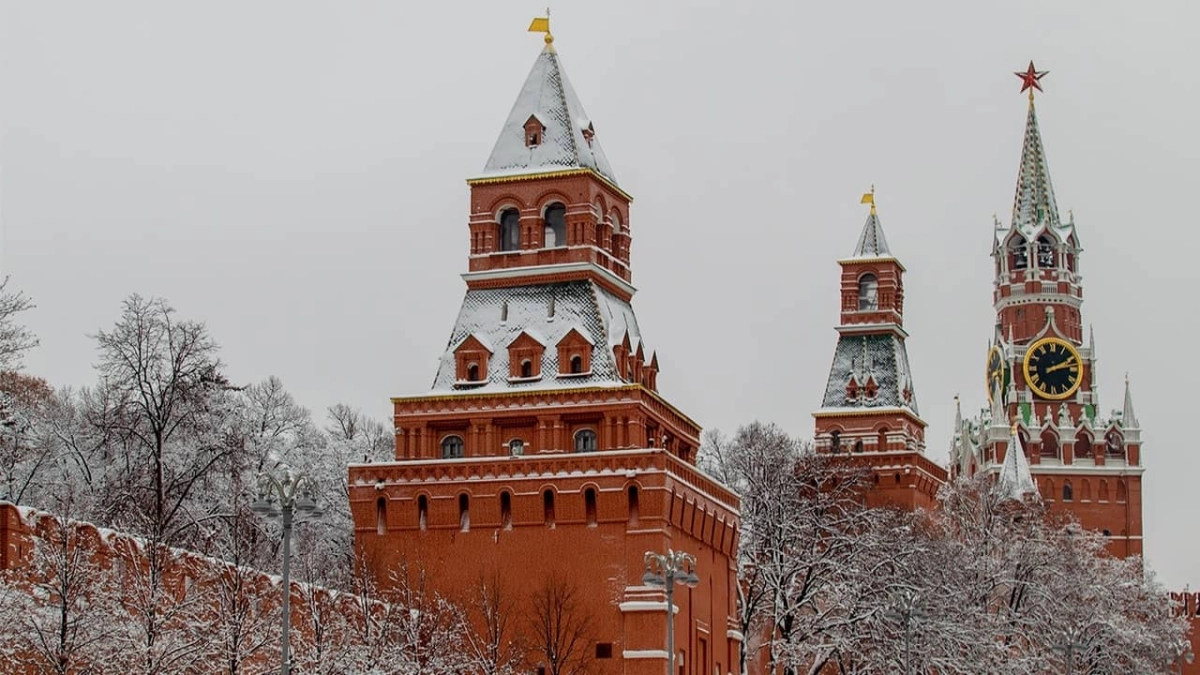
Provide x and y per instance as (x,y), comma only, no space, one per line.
(872,243)
(1015,481)
(1129,419)
(567,139)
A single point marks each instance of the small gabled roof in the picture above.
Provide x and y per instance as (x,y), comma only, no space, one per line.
(548,96)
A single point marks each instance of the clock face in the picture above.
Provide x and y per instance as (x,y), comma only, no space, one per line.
(997,371)
(1053,368)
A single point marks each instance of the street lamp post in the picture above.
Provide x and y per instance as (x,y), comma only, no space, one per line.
(905,611)
(664,570)
(287,498)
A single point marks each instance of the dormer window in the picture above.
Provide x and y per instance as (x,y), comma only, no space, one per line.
(868,293)
(556,225)
(574,354)
(525,357)
(510,230)
(534,132)
(589,133)
(471,361)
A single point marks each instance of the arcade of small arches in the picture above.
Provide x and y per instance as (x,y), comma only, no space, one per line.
(873,441)
(1050,446)
(549,498)
(551,228)
(1080,489)
(1043,251)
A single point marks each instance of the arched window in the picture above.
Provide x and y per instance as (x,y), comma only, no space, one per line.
(1113,445)
(452,447)
(589,506)
(881,441)
(516,447)
(472,372)
(858,446)
(548,508)
(422,511)
(556,225)
(1045,252)
(576,364)
(381,515)
(1122,491)
(1083,446)
(633,505)
(506,510)
(1103,490)
(510,230)
(868,292)
(1085,490)
(527,368)
(1067,491)
(464,512)
(585,440)
(1049,444)
(835,441)
(1019,253)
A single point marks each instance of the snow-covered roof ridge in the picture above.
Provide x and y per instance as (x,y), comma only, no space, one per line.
(872,243)
(568,139)
(1016,480)
(1033,203)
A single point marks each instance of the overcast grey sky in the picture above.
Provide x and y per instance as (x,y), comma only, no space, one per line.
(292,174)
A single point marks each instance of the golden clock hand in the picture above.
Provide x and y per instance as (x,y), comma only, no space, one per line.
(1064,364)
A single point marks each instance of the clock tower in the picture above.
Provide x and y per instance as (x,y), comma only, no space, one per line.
(1041,372)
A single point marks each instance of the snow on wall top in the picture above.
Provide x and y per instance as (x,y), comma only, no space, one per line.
(601,317)
(548,96)
(872,243)
(882,357)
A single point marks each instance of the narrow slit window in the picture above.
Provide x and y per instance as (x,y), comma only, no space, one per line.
(464,512)
(548,508)
(381,515)
(589,503)
(422,511)
(506,510)
(634,507)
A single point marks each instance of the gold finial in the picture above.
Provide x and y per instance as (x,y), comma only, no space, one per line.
(869,198)
(1014,428)
(541,24)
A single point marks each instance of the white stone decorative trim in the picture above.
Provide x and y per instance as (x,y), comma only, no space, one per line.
(735,635)
(644,654)
(539,270)
(645,605)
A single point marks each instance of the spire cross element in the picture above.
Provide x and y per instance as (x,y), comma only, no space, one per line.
(1030,79)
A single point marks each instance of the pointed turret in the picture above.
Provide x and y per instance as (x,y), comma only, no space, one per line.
(547,129)
(872,243)
(1034,202)
(1129,419)
(1015,479)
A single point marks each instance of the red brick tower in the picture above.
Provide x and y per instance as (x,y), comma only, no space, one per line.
(1041,374)
(543,450)
(870,408)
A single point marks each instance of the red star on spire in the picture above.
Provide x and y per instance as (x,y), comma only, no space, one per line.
(1029,78)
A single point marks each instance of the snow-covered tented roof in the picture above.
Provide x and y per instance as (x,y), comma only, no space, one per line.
(548,96)
(881,357)
(872,243)
(600,316)
(1015,480)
